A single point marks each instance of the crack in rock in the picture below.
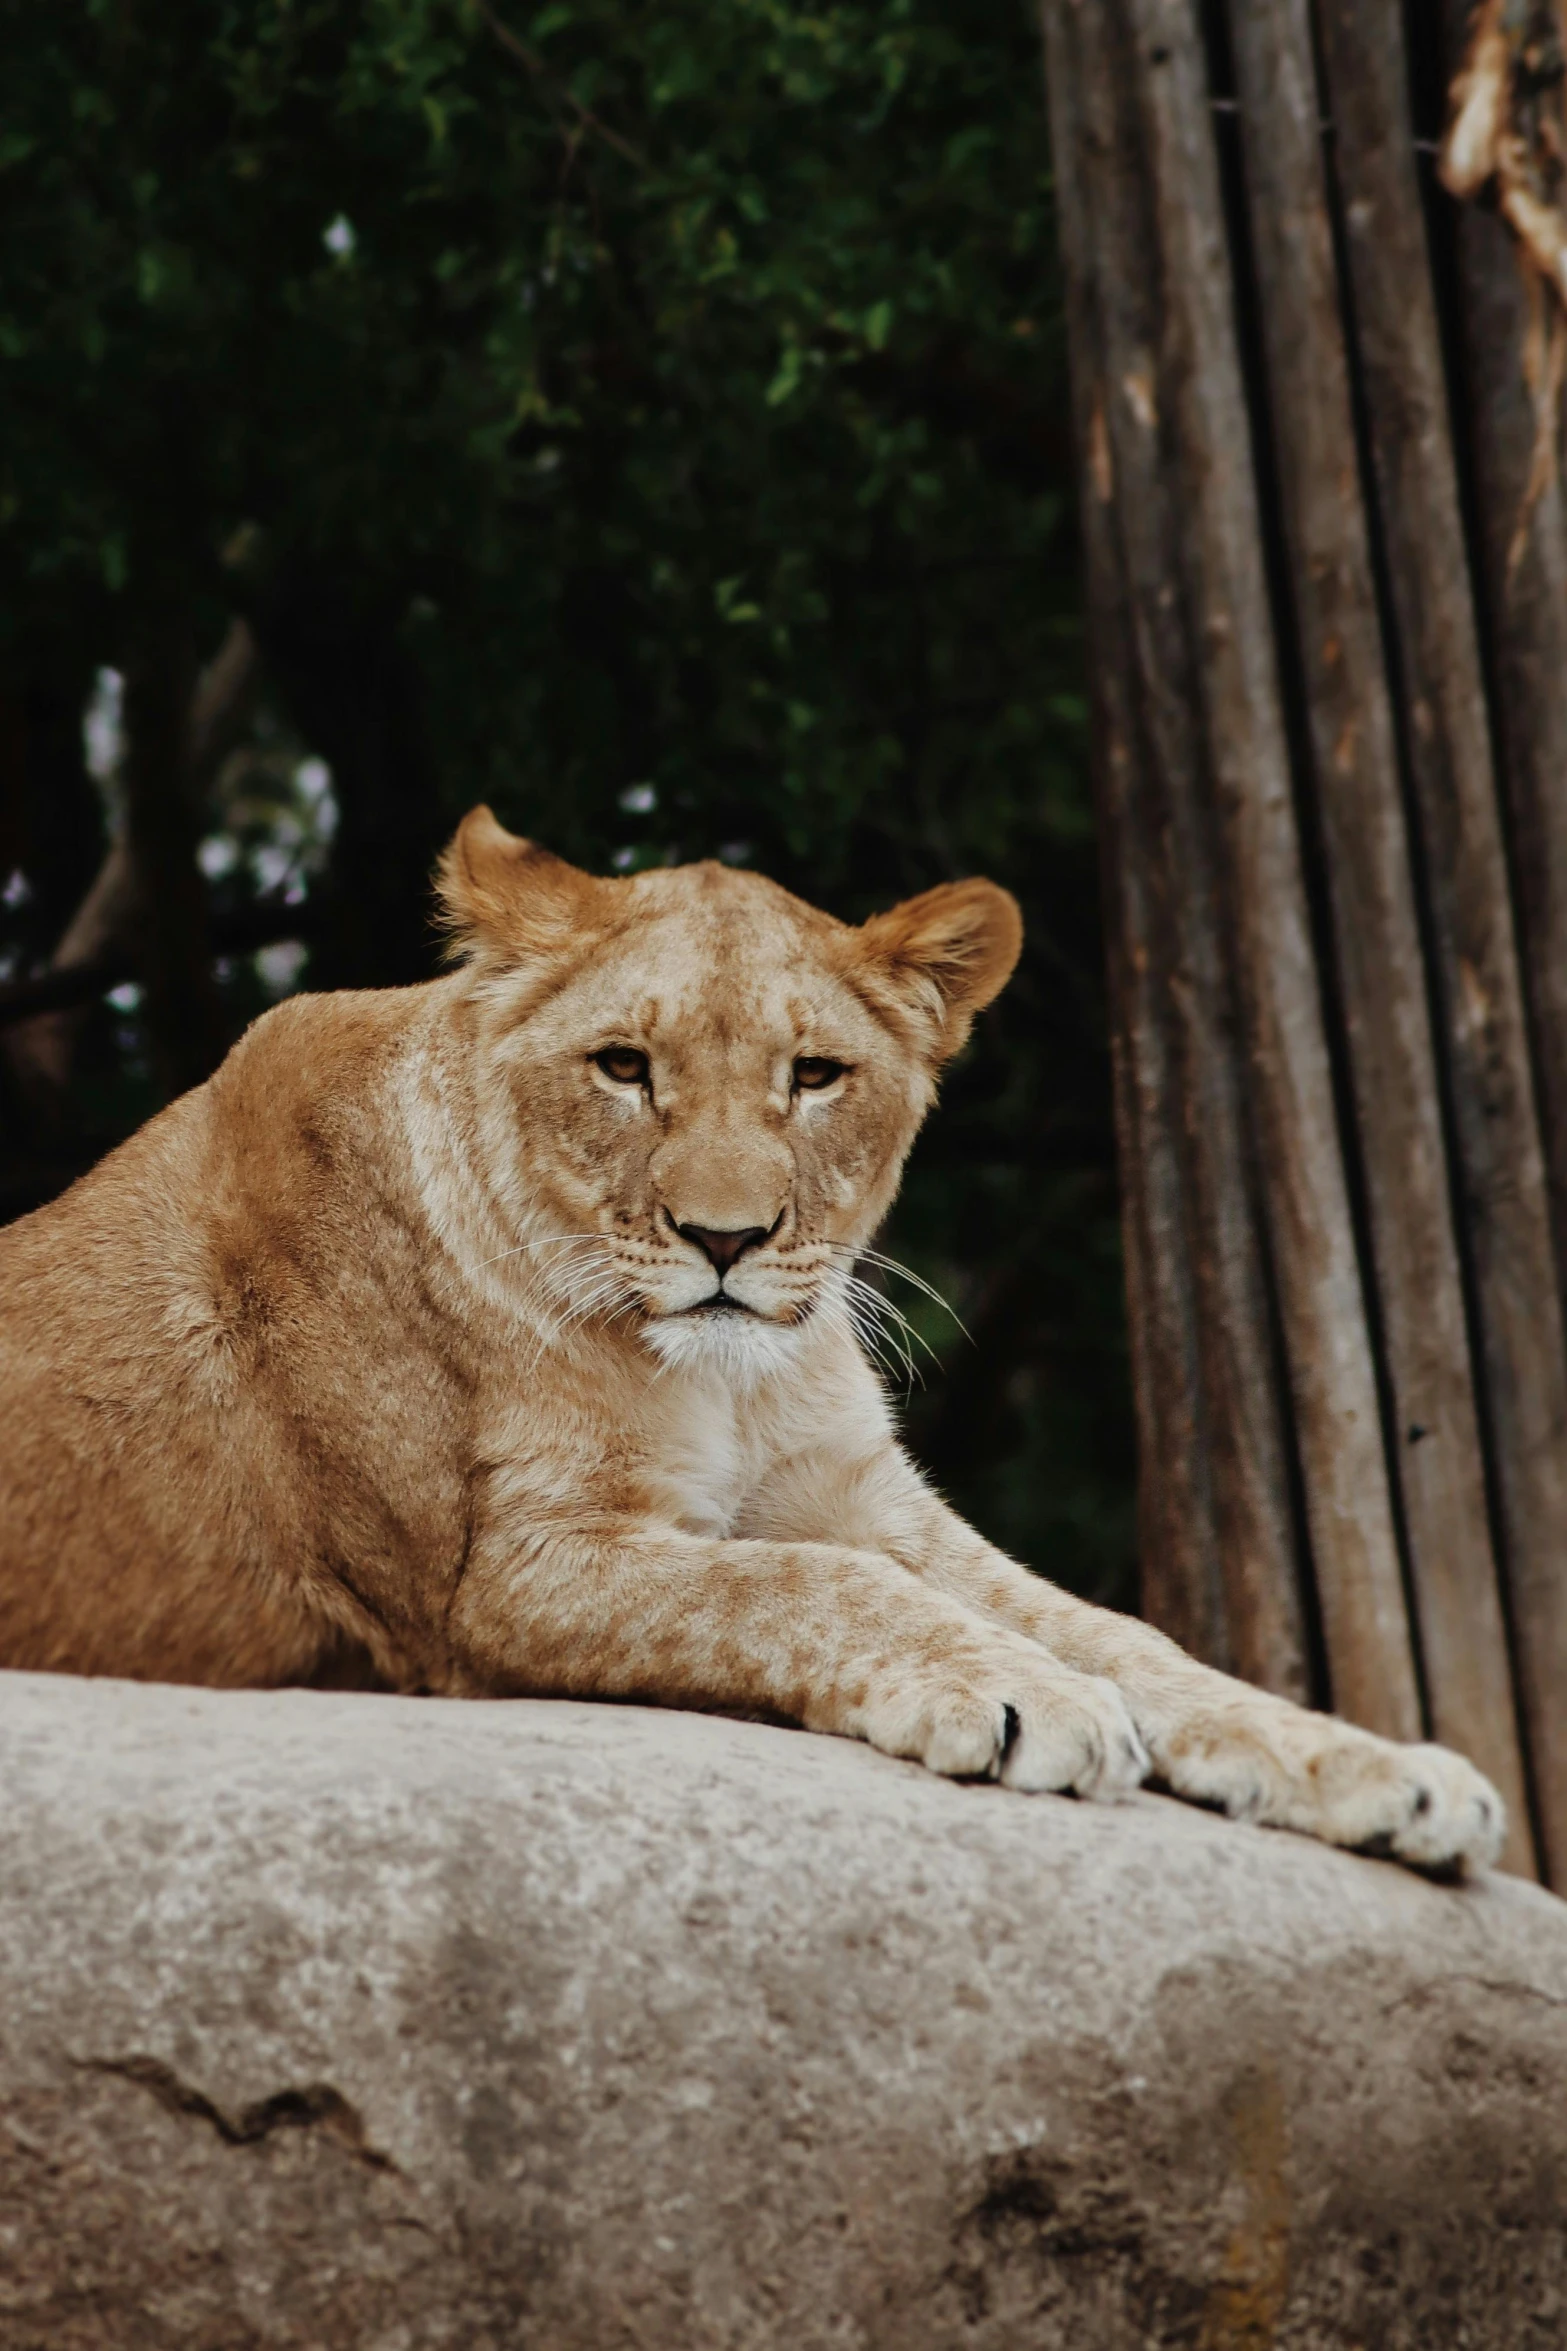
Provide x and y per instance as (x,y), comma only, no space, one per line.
(1418,1993)
(315,2106)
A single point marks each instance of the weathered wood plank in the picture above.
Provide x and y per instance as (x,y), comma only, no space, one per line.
(1244,1408)
(1357,790)
(1505,1210)
(1209,1377)
(1198,383)
(1178,1541)
(1522,550)
(1178,1557)
(1520,529)
(1169,425)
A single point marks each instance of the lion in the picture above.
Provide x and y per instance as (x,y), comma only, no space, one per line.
(498,1336)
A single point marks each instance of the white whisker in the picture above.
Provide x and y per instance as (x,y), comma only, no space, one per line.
(905,1273)
(868,1326)
(546,1241)
(899,1329)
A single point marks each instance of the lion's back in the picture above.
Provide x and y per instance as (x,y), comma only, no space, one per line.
(138,1454)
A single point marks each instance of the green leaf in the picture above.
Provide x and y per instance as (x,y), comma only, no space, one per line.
(786,378)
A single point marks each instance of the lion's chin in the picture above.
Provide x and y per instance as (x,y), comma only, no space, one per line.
(740,1348)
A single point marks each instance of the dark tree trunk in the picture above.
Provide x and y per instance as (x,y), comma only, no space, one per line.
(163,822)
(353,691)
(51,824)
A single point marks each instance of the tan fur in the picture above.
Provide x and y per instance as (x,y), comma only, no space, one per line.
(381,1357)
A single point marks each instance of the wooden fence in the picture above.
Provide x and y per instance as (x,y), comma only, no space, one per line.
(1327,566)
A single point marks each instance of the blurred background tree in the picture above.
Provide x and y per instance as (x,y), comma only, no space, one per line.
(649,419)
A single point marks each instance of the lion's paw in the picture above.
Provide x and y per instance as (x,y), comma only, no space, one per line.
(1422,1805)
(1012,1715)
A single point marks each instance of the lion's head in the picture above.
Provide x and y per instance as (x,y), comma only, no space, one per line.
(699,1091)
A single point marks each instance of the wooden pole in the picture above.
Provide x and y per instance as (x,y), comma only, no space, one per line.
(1514,1209)
(1161,400)
(1355,777)
(1218,1540)
(1522,548)
(1344,1140)
(1520,531)
(1321,1305)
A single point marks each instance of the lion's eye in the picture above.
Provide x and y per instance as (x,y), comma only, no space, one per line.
(624,1064)
(813,1071)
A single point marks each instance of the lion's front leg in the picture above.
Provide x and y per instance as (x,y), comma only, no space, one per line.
(834,1638)
(1220,1742)
(1213,1739)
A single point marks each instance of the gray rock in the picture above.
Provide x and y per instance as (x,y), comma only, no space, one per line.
(337,2020)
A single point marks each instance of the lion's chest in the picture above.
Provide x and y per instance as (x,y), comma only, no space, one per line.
(701,1460)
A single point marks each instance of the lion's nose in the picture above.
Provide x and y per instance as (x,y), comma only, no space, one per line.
(722,1248)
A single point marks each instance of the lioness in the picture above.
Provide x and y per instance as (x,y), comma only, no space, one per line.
(496,1336)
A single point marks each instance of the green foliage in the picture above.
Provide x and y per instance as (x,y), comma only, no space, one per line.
(682,385)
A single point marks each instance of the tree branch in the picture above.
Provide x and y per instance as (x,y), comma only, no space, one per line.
(538,72)
(70,987)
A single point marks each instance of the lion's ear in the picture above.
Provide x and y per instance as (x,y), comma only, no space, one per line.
(508,896)
(943,956)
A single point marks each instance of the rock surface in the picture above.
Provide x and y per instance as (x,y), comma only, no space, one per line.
(337,2020)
